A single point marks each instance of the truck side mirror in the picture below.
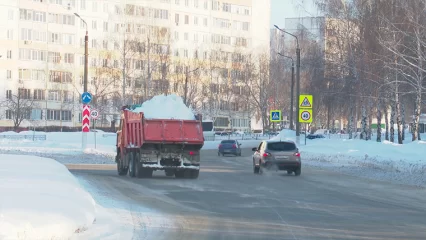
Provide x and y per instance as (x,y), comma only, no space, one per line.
(254,149)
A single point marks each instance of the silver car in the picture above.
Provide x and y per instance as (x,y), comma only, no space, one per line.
(280,155)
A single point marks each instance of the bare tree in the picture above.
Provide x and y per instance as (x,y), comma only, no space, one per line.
(19,106)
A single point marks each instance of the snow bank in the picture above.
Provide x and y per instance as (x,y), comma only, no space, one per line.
(40,199)
(166,107)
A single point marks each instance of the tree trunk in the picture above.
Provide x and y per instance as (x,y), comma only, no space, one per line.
(392,123)
(379,122)
(364,122)
(350,124)
(403,121)
(415,128)
(386,124)
(398,118)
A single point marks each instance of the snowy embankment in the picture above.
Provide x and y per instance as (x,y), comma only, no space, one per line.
(41,199)
(404,163)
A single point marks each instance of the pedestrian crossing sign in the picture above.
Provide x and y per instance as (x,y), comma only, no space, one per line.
(275,116)
(306,101)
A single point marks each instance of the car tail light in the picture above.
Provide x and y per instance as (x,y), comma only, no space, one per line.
(266,154)
(297,154)
(234,146)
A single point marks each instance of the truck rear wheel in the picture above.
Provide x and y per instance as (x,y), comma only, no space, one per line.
(132,164)
(194,173)
(122,171)
(169,173)
(145,172)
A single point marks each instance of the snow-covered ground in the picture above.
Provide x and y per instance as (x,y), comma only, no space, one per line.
(41,199)
(405,164)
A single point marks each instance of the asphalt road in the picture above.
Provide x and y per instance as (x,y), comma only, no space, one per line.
(229,202)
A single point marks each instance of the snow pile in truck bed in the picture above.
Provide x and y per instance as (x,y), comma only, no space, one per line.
(166,107)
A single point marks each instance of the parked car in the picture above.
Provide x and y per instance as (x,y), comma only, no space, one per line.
(280,155)
(315,136)
(229,147)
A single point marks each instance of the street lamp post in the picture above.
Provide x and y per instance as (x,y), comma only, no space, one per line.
(86,66)
(297,79)
(292,91)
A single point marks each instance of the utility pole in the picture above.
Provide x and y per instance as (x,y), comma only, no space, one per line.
(297,80)
(86,67)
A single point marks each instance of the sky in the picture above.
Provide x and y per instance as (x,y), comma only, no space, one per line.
(281,9)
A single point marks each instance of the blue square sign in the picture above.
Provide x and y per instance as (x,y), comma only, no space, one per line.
(275,116)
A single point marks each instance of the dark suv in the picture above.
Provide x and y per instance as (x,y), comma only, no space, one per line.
(229,147)
(283,155)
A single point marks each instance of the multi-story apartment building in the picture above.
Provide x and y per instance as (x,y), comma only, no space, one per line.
(138,48)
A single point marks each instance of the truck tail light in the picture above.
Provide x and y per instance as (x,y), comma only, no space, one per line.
(192,153)
(220,145)
(266,154)
(234,146)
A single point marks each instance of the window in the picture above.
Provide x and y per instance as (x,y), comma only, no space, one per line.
(215,5)
(10,34)
(177,18)
(30,54)
(196,3)
(186,36)
(9,94)
(185,53)
(68,96)
(60,77)
(9,54)
(53,114)
(30,15)
(82,4)
(54,38)
(105,7)
(94,43)
(186,19)
(206,5)
(8,114)
(281,146)
(195,37)
(54,57)
(66,115)
(10,14)
(53,95)
(94,24)
(36,114)
(105,26)
(8,74)
(38,94)
(24,93)
(69,58)
(205,22)
(68,39)
(186,3)
(105,44)
(38,75)
(195,20)
(94,6)
(176,35)
(177,2)
(24,74)
(226,7)
(246,26)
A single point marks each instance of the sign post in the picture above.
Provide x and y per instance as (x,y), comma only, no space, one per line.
(94,114)
(86,98)
(305,111)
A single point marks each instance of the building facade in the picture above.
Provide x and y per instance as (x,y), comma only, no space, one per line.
(137,49)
